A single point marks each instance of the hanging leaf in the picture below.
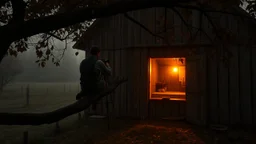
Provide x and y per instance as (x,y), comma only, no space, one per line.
(48,51)
(43,64)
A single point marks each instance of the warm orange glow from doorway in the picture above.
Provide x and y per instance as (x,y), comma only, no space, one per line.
(167,78)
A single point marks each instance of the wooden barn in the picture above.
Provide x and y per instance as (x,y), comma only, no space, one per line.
(175,66)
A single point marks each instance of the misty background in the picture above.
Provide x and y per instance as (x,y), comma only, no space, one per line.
(68,71)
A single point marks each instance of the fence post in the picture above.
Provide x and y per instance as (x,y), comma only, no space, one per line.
(79,116)
(2,84)
(25,137)
(57,127)
(47,90)
(27,95)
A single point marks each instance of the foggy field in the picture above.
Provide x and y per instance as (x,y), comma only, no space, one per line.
(44,97)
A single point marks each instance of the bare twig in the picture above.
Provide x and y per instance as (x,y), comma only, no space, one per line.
(225,49)
(145,28)
(213,10)
(64,50)
(55,36)
(191,27)
(142,26)
(183,20)
(213,25)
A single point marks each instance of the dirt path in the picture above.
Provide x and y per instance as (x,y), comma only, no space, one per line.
(129,132)
(149,132)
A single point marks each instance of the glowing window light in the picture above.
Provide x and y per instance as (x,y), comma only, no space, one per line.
(175,69)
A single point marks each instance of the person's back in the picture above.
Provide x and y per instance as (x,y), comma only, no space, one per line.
(88,78)
(92,73)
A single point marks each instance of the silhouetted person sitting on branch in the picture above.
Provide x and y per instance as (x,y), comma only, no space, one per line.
(93,75)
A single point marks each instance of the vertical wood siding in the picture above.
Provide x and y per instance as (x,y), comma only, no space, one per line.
(231,85)
(219,93)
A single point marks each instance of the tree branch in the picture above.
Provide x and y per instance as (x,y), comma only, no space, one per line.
(41,25)
(13,32)
(63,52)
(18,7)
(203,9)
(56,115)
(142,26)
(213,25)
(190,26)
(55,36)
(58,37)
(49,23)
(10,33)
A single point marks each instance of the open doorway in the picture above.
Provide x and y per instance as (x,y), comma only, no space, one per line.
(167,78)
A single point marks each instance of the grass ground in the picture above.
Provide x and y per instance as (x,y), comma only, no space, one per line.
(46,97)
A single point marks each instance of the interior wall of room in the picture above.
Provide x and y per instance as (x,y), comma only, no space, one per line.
(162,71)
(154,74)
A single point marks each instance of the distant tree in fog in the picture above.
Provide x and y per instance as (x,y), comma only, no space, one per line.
(9,68)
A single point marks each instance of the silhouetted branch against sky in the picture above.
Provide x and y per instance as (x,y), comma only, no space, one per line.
(68,19)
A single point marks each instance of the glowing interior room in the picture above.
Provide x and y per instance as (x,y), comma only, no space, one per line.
(167,78)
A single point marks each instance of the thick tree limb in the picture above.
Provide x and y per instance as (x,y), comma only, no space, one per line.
(54,116)
(12,32)
(18,7)
(45,24)
(41,25)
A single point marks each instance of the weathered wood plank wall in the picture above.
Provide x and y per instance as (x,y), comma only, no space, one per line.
(226,93)
(231,84)
(133,99)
